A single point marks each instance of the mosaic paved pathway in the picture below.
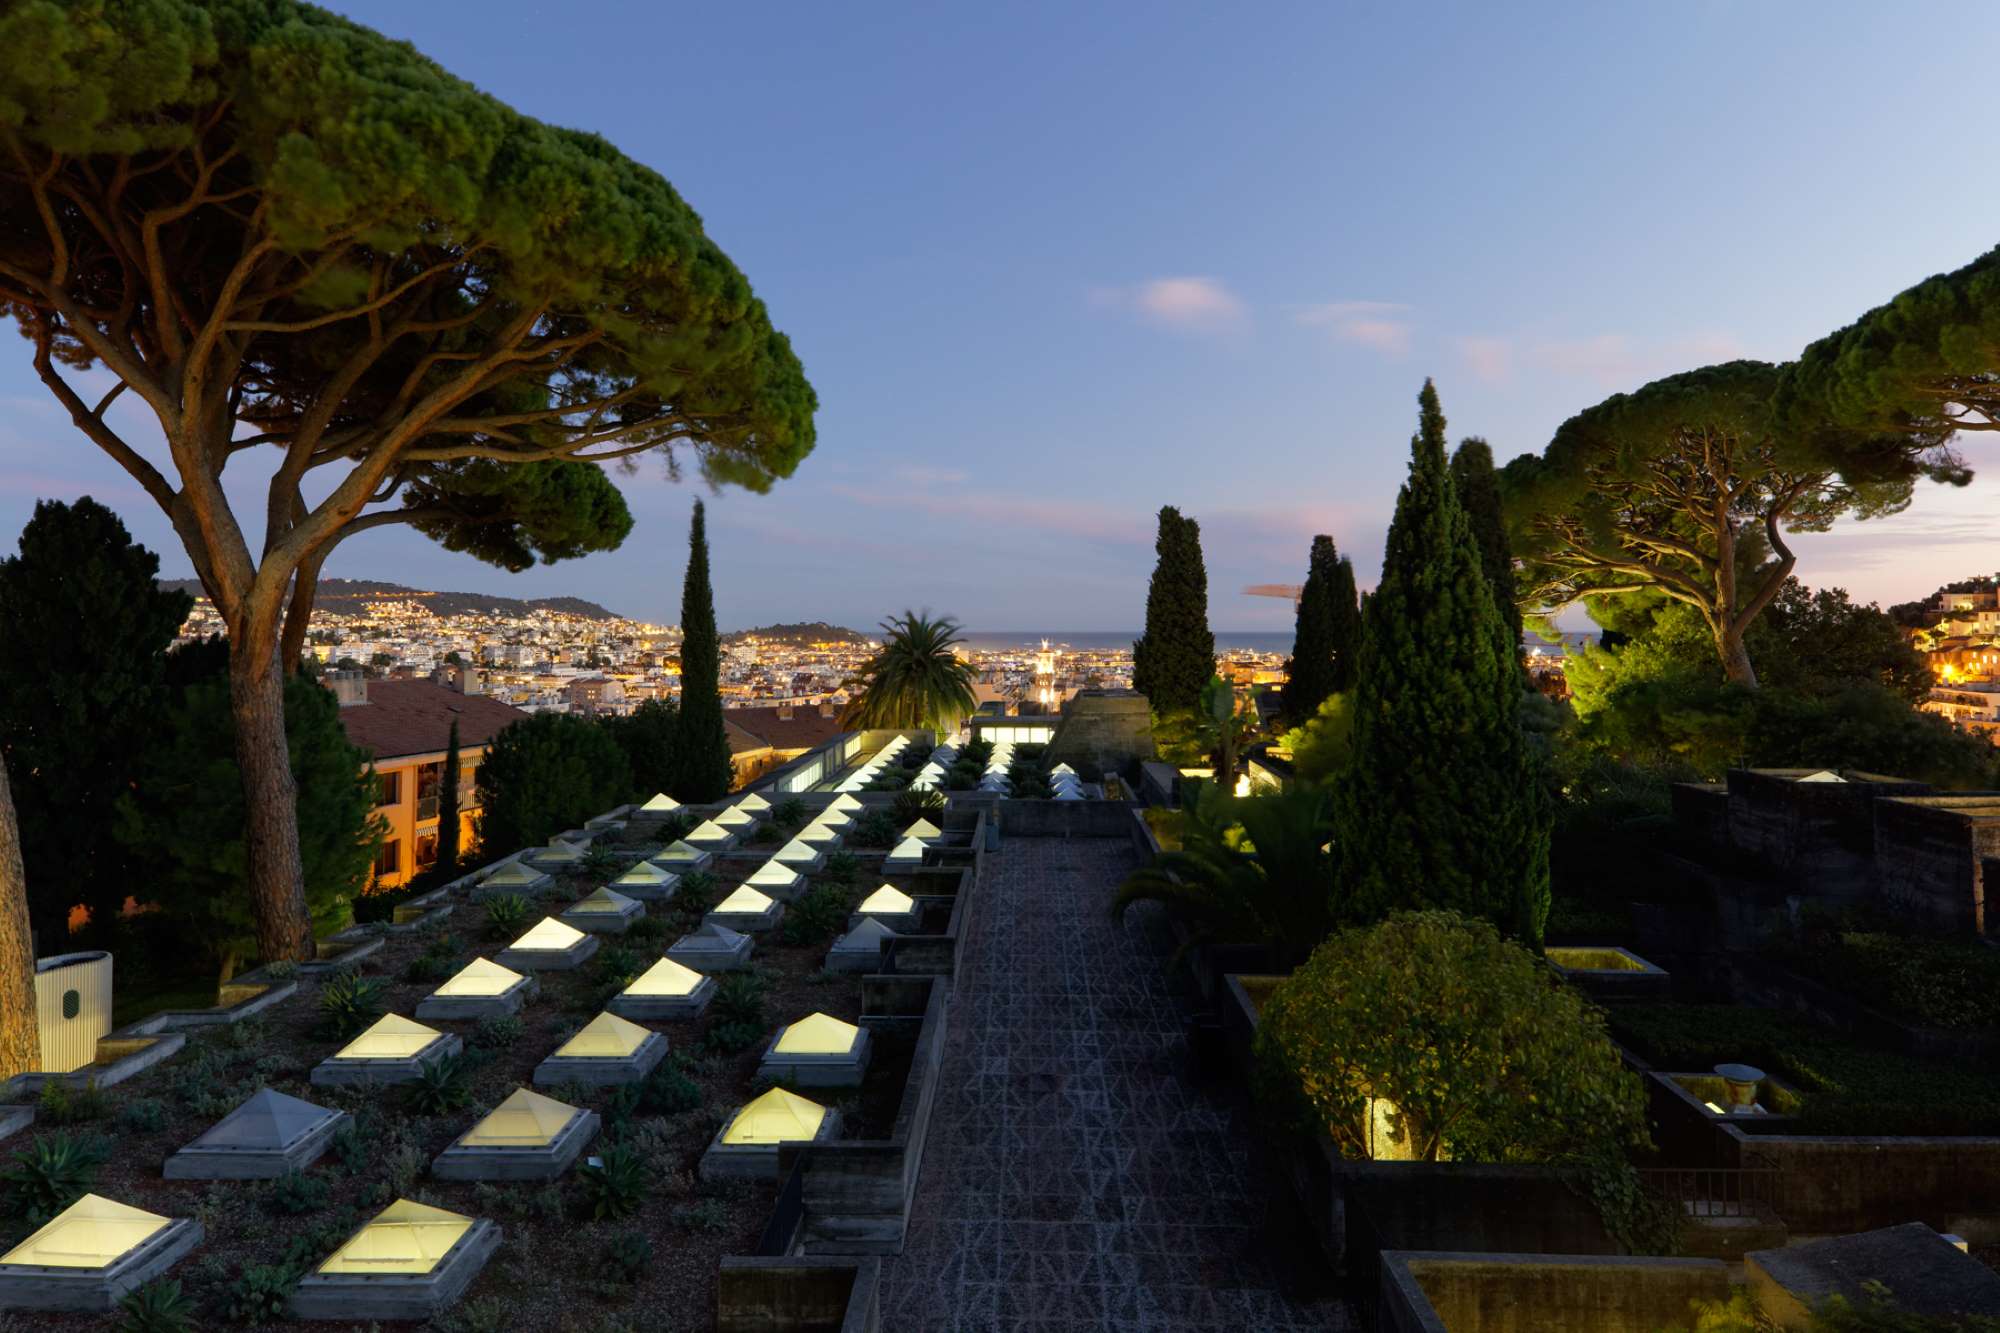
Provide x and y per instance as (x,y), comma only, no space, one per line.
(1074,1180)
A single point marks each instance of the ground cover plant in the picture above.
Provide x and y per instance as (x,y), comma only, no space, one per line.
(1925,980)
(1847,1088)
(263,1236)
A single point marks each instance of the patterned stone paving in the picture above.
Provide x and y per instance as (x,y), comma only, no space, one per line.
(1074,1179)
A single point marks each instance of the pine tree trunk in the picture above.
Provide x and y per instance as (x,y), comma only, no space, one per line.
(1736,667)
(270,808)
(20,1039)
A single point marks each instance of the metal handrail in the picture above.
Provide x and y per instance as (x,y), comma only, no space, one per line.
(1719,1191)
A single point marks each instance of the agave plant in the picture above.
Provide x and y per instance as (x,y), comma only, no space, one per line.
(916,680)
(52,1173)
(1250,870)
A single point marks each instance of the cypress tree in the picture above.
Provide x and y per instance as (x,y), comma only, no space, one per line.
(1346,627)
(447,860)
(1175,656)
(1441,806)
(1478,486)
(1309,677)
(701,769)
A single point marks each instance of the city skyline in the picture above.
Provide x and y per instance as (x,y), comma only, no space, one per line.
(1224,296)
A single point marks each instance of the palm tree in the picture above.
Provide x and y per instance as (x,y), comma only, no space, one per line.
(915,680)
(1250,870)
(1226,725)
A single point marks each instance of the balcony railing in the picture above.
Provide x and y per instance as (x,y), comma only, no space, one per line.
(1715,1191)
(427,808)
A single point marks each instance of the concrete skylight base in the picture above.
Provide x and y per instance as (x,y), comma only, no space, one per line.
(860,949)
(647,883)
(602,1071)
(775,879)
(97,1290)
(366,1072)
(754,1161)
(463,1008)
(519,1161)
(604,912)
(841,1069)
(557,856)
(705,950)
(642,999)
(267,1136)
(526,956)
(754,923)
(346,1297)
(681,857)
(514,878)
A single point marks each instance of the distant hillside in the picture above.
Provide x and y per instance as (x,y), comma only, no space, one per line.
(347,595)
(816,631)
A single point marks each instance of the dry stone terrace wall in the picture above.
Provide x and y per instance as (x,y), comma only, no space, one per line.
(1929,853)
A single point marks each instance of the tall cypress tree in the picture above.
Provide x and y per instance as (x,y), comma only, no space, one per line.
(1441,806)
(1309,676)
(1346,602)
(701,768)
(447,862)
(1478,489)
(1175,656)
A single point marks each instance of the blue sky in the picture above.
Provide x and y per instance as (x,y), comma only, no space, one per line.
(1052,266)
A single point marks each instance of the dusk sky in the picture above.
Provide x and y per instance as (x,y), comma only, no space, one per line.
(1052,266)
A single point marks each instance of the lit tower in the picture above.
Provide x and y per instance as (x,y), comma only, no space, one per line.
(1045,677)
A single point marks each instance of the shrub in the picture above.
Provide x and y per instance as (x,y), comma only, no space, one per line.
(600,865)
(507,915)
(158,1307)
(739,998)
(677,825)
(260,1294)
(1458,1040)
(1942,983)
(440,1087)
(52,1173)
(668,1091)
(647,930)
(729,1038)
(617,965)
(61,1104)
(914,805)
(615,1185)
(496,1032)
(546,773)
(295,1192)
(142,1115)
(702,1215)
(697,891)
(840,868)
(815,916)
(789,813)
(1846,1088)
(429,968)
(628,1254)
(350,1002)
(875,829)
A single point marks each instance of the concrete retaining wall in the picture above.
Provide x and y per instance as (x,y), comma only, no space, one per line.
(1836,1186)
(770,1295)
(1541,1293)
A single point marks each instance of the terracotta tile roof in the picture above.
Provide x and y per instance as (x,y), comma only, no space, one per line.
(405,717)
(804,729)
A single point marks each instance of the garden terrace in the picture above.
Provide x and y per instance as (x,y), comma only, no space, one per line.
(261,1235)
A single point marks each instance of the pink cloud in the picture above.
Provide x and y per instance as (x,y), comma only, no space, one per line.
(1491,360)
(1376,324)
(1190,305)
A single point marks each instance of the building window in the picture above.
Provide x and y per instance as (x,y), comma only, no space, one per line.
(429,778)
(389,861)
(392,788)
(427,849)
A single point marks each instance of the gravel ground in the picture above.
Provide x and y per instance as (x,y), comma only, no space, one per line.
(552,1272)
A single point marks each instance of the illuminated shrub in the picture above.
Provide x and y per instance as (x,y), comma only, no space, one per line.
(1429,1037)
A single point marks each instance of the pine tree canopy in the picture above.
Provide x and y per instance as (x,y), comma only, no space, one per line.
(702,770)
(1441,804)
(1175,655)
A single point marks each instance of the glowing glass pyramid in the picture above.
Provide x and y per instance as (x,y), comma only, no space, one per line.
(558,851)
(525,1120)
(774,873)
(817,1034)
(890,901)
(909,849)
(681,850)
(845,802)
(514,872)
(548,934)
(93,1232)
(480,978)
(661,804)
(605,1037)
(603,902)
(666,977)
(708,831)
(390,1037)
(752,803)
(797,850)
(645,875)
(735,817)
(818,835)
(405,1239)
(923,830)
(745,901)
(776,1117)
(1062,769)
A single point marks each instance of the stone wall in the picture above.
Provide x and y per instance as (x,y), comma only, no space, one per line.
(1108,728)
(1817,837)
(1929,852)
(795,1295)
(1541,1293)
(1834,1186)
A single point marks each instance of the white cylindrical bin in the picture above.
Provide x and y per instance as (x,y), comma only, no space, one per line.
(72,1008)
